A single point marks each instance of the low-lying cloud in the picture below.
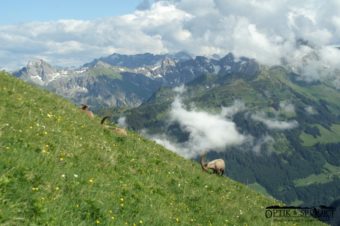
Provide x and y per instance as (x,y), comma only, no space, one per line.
(274,123)
(230,111)
(207,131)
(261,142)
(310,110)
(122,122)
(287,107)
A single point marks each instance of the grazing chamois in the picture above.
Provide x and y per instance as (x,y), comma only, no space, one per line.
(217,165)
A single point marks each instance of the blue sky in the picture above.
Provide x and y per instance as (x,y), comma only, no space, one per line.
(21,11)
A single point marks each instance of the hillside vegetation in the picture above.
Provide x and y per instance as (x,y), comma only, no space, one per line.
(58,167)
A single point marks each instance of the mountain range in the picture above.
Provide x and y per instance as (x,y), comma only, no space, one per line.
(126,80)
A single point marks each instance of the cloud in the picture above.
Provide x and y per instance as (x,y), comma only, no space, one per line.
(122,122)
(301,34)
(264,140)
(179,89)
(206,131)
(287,107)
(310,110)
(273,123)
(230,111)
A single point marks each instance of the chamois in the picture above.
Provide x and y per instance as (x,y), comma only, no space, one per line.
(119,131)
(216,165)
(85,109)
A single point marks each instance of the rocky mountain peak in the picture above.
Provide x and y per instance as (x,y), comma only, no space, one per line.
(37,71)
(168,62)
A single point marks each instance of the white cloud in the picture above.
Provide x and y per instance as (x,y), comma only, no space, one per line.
(122,122)
(230,111)
(310,110)
(273,123)
(249,41)
(179,89)
(266,139)
(206,131)
(287,107)
(263,29)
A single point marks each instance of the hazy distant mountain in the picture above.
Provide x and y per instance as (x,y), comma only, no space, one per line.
(139,60)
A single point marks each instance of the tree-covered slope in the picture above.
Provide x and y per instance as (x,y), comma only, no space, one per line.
(294,154)
(58,167)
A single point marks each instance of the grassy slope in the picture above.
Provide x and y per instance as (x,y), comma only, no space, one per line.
(58,167)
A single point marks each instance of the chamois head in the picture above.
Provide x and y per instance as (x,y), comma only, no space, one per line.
(85,108)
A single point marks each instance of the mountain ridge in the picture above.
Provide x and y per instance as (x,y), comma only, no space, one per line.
(144,72)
